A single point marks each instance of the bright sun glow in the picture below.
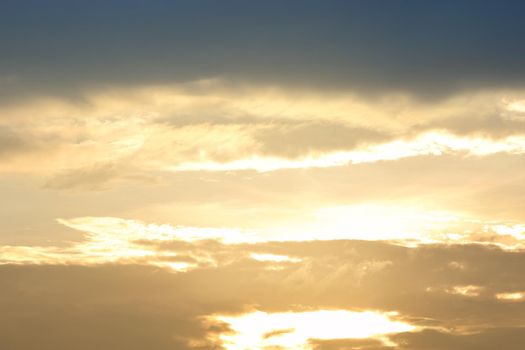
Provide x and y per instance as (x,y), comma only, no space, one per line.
(468,291)
(273,258)
(517,106)
(514,296)
(375,221)
(380,222)
(289,330)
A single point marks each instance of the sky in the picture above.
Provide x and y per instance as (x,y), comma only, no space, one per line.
(262,175)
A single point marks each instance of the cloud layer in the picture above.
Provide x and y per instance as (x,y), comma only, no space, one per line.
(427,49)
(222,175)
(337,275)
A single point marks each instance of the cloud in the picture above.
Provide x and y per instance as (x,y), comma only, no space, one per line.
(98,177)
(210,126)
(180,248)
(92,178)
(429,50)
(80,299)
(486,339)
(321,163)
(435,340)
(11,143)
(83,308)
(316,137)
(495,126)
(426,144)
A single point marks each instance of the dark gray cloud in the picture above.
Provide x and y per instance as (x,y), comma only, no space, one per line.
(429,49)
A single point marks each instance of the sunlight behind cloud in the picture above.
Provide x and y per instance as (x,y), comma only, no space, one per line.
(117,240)
(208,125)
(118,229)
(273,258)
(262,175)
(468,291)
(434,143)
(384,222)
(517,106)
(512,296)
(293,330)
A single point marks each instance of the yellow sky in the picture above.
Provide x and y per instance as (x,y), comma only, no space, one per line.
(189,182)
(264,175)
